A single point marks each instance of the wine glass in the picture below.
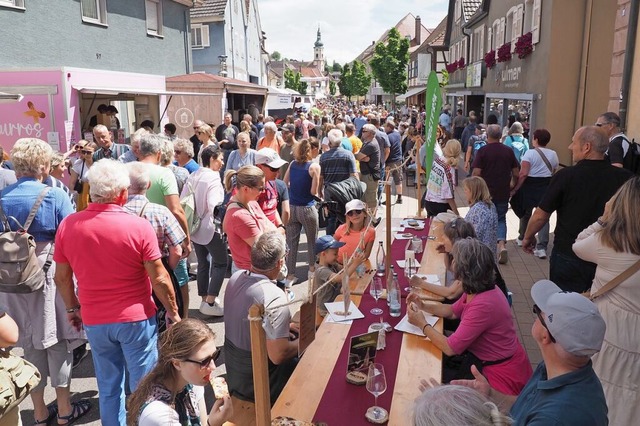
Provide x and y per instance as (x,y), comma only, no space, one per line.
(409,266)
(376,384)
(375,289)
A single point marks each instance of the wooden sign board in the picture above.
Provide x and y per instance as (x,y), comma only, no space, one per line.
(362,351)
(307,325)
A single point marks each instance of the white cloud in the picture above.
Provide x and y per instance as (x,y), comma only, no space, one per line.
(347,27)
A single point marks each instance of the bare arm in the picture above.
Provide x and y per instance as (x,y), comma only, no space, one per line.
(175,254)
(314,171)
(8,331)
(281,350)
(514,176)
(537,221)
(162,287)
(286,212)
(477,172)
(320,186)
(362,157)
(452,292)
(480,384)
(173,204)
(417,318)
(524,174)
(467,158)
(454,207)
(387,151)
(64,282)
(73,179)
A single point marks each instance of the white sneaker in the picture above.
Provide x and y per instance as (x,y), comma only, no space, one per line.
(519,242)
(214,310)
(540,253)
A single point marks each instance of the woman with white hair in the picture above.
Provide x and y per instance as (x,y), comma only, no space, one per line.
(184,153)
(516,140)
(456,405)
(45,335)
(244,155)
(271,138)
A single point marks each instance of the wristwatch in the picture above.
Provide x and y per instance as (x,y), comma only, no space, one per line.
(74,309)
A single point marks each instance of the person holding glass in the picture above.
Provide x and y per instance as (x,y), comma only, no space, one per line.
(486,336)
(172,393)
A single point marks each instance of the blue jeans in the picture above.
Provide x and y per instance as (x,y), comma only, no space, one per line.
(114,347)
(570,273)
(502,208)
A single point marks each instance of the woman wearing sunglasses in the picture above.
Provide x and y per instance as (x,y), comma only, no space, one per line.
(173,392)
(356,221)
(79,170)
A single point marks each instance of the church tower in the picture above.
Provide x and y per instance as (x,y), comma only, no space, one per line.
(318,52)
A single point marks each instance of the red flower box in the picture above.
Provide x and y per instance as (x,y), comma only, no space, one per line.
(490,59)
(524,45)
(504,52)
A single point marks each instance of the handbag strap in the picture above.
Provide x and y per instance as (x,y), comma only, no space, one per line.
(545,159)
(616,281)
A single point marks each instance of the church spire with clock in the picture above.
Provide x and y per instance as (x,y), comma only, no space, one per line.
(318,52)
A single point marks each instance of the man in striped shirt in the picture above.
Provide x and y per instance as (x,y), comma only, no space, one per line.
(108,149)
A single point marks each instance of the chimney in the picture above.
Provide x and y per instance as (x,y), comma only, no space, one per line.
(418,30)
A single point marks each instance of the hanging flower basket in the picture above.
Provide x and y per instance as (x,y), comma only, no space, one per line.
(524,45)
(504,52)
(490,59)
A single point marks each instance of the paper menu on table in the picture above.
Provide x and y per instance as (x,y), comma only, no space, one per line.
(430,278)
(336,311)
(402,264)
(405,326)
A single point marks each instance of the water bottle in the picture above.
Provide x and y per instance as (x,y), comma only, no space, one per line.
(389,284)
(394,297)
(380,261)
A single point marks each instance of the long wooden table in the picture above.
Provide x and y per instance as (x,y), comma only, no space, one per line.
(418,358)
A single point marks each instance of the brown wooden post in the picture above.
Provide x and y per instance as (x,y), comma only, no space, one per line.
(260,366)
(418,176)
(387,193)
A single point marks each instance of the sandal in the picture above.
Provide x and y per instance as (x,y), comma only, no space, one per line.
(53,413)
(78,409)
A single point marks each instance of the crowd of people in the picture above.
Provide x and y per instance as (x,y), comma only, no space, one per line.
(124,231)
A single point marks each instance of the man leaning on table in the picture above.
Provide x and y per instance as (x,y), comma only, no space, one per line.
(564,389)
(243,290)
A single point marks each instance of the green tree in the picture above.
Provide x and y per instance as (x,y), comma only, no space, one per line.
(332,88)
(343,84)
(302,86)
(276,56)
(360,79)
(336,67)
(389,64)
(293,80)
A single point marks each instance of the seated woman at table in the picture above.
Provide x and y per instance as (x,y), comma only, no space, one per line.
(356,222)
(173,392)
(486,335)
(328,271)
(482,212)
(456,405)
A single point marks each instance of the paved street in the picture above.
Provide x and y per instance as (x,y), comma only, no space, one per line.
(520,274)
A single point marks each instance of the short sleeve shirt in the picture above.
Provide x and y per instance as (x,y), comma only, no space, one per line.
(538,166)
(163,183)
(331,291)
(240,224)
(496,162)
(337,165)
(371,167)
(352,240)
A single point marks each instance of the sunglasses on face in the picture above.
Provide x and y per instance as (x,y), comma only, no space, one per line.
(538,312)
(354,212)
(207,361)
(84,151)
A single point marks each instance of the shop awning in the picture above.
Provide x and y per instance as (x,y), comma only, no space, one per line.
(9,97)
(114,91)
(411,92)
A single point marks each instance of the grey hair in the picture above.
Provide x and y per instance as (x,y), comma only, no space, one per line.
(369,128)
(269,248)
(335,137)
(107,179)
(596,137)
(184,146)
(139,177)
(494,132)
(474,265)
(166,153)
(271,126)
(342,127)
(137,136)
(151,144)
(456,405)
(100,128)
(31,157)
(612,117)
(516,128)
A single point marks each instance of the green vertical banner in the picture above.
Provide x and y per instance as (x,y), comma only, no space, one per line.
(432,108)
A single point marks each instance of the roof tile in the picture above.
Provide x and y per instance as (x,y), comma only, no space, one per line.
(209,8)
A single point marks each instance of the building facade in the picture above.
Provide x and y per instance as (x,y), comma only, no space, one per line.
(140,36)
(227,40)
(523,58)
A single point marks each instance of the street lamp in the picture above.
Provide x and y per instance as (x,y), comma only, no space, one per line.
(223,65)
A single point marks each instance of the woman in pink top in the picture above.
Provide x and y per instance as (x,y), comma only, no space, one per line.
(486,336)
(244,221)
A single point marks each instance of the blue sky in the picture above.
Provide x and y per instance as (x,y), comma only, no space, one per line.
(348,26)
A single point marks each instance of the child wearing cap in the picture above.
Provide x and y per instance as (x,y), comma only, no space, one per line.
(356,221)
(327,252)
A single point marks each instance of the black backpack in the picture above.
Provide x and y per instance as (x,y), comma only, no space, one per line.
(219,212)
(631,161)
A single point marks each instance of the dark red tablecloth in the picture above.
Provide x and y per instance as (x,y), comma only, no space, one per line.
(343,403)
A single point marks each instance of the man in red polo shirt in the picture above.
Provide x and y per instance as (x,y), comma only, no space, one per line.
(116,260)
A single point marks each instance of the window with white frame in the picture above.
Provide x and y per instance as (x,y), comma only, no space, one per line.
(457,11)
(199,36)
(489,40)
(535,21)
(94,11)
(477,44)
(516,25)
(509,26)
(154,17)
(12,3)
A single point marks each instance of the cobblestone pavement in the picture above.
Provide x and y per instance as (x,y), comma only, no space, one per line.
(520,273)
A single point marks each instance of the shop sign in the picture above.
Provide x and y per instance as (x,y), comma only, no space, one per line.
(511,76)
(474,74)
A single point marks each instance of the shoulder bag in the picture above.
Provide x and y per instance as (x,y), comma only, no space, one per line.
(616,281)
(18,377)
(545,159)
